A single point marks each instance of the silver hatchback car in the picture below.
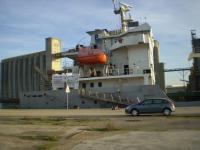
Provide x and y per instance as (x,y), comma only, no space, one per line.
(157,105)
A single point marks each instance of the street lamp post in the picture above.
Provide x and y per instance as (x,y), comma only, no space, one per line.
(67,90)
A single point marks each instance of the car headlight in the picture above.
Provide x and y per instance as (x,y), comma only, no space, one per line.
(128,107)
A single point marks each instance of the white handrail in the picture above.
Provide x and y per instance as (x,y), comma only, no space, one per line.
(106,96)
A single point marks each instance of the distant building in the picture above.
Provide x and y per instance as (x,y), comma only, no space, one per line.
(0,82)
(175,89)
(29,72)
(194,78)
(159,66)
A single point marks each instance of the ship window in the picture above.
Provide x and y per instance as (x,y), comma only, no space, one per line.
(147,71)
(83,85)
(111,54)
(95,46)
(99,84)
(126,69)
(91,84)
(99,73)
(96,36)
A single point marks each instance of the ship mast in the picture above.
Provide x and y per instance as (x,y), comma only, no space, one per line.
(123,10)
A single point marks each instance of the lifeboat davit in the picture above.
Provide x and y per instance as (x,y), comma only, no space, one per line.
(89,56)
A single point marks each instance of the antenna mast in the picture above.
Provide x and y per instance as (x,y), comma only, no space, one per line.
(123,10)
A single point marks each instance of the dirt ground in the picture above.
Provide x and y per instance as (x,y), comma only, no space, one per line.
(97,129)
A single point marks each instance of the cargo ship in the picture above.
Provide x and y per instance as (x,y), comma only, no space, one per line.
(118,67)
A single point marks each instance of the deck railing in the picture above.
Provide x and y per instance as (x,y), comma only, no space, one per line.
(112,72)
(126,71)
(107,97)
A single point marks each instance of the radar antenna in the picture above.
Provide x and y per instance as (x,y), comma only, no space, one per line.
(126,5)
(193,33)
(114,4)
(122,11)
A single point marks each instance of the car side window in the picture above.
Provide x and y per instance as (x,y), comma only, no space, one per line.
(165,102)
(157,101)
(147,102)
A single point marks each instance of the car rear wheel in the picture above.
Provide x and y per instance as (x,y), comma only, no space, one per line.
(167,112)
(134,112)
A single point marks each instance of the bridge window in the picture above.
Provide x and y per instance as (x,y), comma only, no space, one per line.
(147,71)
(99,84)
(91,84)
(84,85)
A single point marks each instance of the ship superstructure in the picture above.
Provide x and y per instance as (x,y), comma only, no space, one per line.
(130,52)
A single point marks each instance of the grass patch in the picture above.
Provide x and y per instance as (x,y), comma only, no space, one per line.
(35,121)
(46,146)
(72,135)
(101,129)
(50,121)
(40,137)
(157,130)
(184,116)
(133,120)
(107,127)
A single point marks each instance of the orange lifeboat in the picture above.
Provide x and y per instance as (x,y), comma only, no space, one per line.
(88,56)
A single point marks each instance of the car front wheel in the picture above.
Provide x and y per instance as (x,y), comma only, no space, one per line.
(134,112)
(167,112)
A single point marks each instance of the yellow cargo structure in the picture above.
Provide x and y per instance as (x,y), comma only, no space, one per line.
(29,72)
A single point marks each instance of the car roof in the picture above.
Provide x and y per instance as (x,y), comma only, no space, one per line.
(156,99)
(167,99)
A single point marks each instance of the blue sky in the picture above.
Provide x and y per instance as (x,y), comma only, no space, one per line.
(24,24)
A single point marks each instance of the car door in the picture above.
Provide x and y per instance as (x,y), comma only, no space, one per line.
(145,106)
(157,105)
